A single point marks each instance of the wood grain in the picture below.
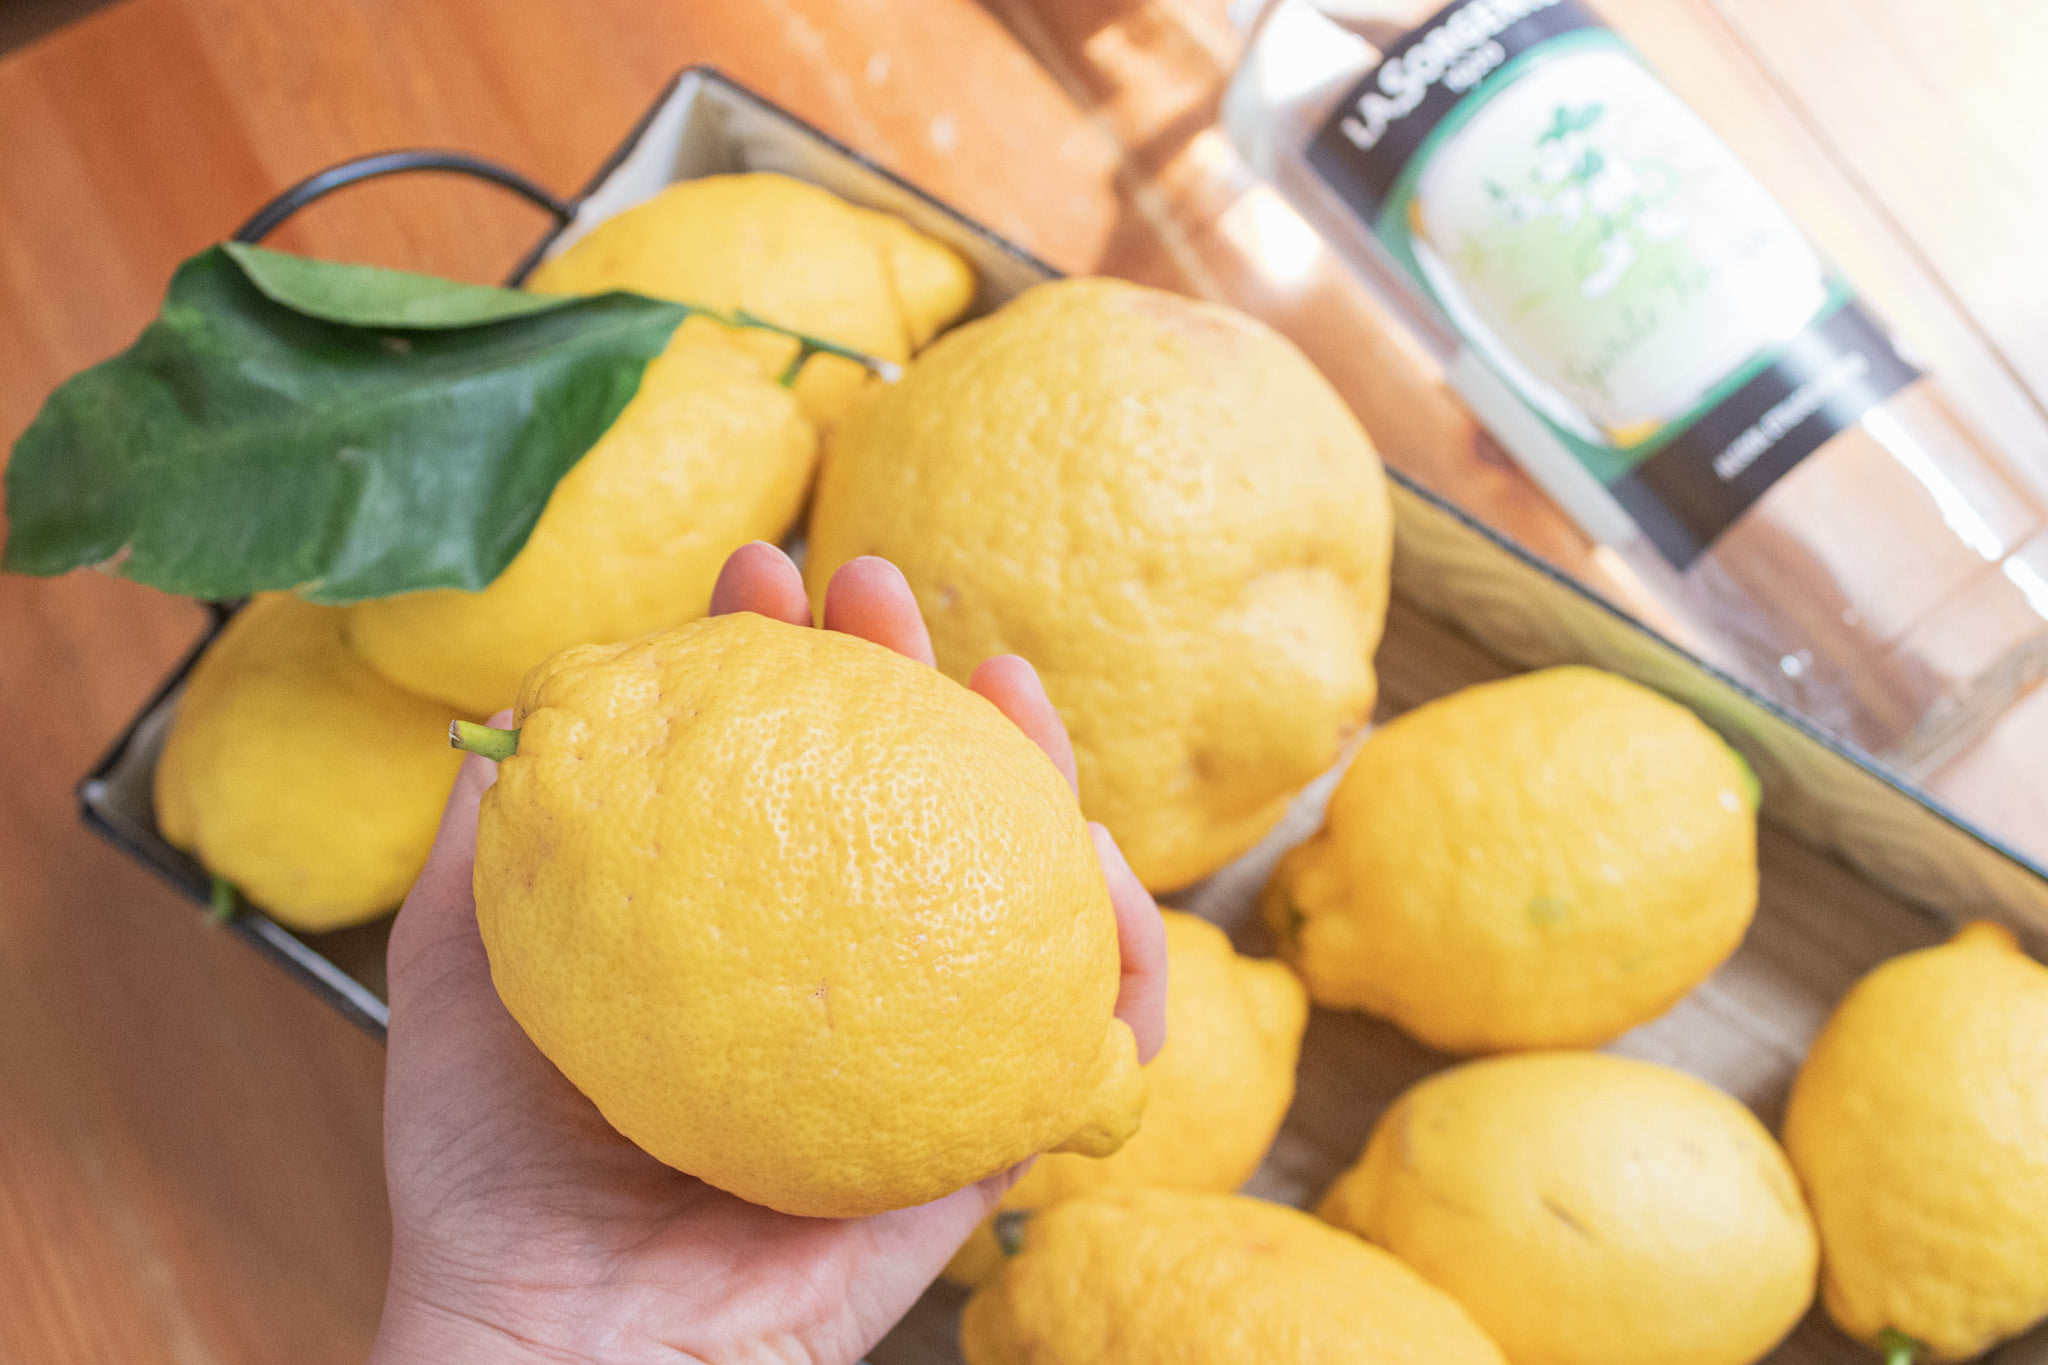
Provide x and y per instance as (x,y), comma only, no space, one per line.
(189,1152)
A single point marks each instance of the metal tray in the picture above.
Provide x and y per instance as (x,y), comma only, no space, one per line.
(1857,863)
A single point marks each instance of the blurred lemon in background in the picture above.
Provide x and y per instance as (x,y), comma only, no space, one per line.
(1919,1124)
(1138,1277)
(298,774)
(786,251)
(1589,1210)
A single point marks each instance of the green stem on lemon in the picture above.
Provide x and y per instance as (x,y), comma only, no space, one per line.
(1008,1226)
(224,901)
(1898,1348)
(495,744)
(808,346)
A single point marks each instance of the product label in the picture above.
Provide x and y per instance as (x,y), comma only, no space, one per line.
(1608,260)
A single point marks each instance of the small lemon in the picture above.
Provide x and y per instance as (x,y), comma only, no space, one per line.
(1919,1125)
(710,454)
(1140,1277)
(803,918)
(1214,1096)
(1164,507)
(786,251)
(1589,1210)
(1545,861)
(295,772)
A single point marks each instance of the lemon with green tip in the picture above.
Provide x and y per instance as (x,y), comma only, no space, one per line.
(803,918)
(1544,861)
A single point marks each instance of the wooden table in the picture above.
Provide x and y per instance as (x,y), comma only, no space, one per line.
(189,1145)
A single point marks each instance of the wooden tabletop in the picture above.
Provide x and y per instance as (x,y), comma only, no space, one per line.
(189,1144)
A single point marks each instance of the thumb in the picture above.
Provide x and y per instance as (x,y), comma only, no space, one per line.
(435,931)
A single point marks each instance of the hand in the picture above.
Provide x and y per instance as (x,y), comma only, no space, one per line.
(525,1228)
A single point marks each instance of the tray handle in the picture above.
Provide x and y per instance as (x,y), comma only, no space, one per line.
(378,164)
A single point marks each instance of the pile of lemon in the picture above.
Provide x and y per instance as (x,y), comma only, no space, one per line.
(815,923)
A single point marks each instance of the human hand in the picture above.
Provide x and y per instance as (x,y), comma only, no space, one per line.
(525,1229)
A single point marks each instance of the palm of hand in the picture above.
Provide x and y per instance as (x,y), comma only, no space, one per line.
(524,1227)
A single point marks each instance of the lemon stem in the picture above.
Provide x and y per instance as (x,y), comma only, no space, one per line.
(224,900)
(1008,1227)
(495,744)
(808,346)
(1898,1348)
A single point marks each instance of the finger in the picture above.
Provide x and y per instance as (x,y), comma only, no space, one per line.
(869,597)
(760,578)
(441,903)
(918,1242)
(1141,939)
(1012,684)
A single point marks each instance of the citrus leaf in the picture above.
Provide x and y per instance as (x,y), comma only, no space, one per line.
(346,431)
(368,296)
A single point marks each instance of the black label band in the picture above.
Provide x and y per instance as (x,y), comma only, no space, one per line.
(1390,113)
(1820,383)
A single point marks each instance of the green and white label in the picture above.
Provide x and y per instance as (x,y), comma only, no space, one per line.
(1607,261)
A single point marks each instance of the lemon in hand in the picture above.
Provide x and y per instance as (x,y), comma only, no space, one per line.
(298,774)
(1919,1124)
(1164,507)
(709,454)
(1139,1277)
(786,251)
(1544,861)
(1589,1210)
(1214,1096)
(803,918)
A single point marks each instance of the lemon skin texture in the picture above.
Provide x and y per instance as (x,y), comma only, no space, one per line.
(1544,861)
(1215,1095)
(803,918)
(1919,1126)
(1165,508)
(709,454)
(298,774)
(786,251)
(1589,1210)
(1142,1277)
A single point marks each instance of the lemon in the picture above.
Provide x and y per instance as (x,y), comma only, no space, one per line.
(1589,1210)
(1919,1124)
(295,772)
(1138,1277)
(1545,861)
(1214,1096)
(710,454)
(786,251)
(803,918)
(1164,507)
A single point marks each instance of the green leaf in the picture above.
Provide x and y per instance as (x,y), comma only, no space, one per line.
(349,432)
(366,296)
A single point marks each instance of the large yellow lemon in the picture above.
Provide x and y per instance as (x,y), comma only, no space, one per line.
(1165,508)
(1919,1124)
(786,251)
(298,774)
(803,918)
(1214,1096)
(710,454)
(1545,861)
(1589,1210)
(1139,1277)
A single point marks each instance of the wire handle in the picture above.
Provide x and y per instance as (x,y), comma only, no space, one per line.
(378,164)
